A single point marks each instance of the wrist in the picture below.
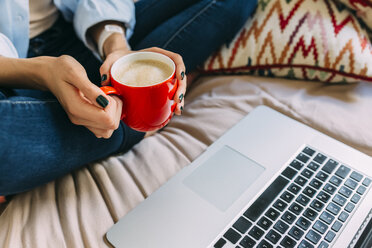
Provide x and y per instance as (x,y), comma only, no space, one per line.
(40,73)
(114,43)
(23,73)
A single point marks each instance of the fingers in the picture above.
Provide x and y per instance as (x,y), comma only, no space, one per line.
(92,92)
(105,70)
(107,64)
(180,75)
(101,133)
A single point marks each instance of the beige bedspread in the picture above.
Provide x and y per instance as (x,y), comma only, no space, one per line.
(77,210)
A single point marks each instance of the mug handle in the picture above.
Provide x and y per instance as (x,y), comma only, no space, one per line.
(108,90)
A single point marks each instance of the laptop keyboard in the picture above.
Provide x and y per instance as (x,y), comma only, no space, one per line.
(306,206)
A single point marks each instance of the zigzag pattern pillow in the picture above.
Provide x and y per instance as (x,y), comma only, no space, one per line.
(363,9)
(302,39)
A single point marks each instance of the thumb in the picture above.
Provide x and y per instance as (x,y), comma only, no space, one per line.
(93,93)
(105,70)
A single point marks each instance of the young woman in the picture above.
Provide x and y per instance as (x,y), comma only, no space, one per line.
(61,51)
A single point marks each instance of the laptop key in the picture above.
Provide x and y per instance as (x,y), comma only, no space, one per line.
(303,223)
(323,244)
(296,208)
(307,173)
(355,198)
(343,171)
(356,176)
(305,244)
(265,199)
(345,192)
(330,166)
(351,183)
(322,176)
(286,196)
(289,172)
(316,183)
(361,190)
(273,236)
(340,200)
(313,237)
(220,243)
(264,244)
(317,205)
(335,180)
(329,188)
(320,158)
(336,226)
(232,236)
(288,217)
(247,242)
(366,181)
(330,236)
(320,226)
(303,200)
(308,151)
(294,188)
(296,164)
(313,166)
(242,225)
(280,205)
(300,180)
(256,232)
(288,242)
(327,217)
(302,157)
(310,192)
(324,197)
(265,223)
(281,227)
(296,233)
(333,208)
(310,214)
(349,207)
(272,214)
(343,216)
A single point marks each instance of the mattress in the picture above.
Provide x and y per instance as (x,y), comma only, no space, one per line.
(78,209)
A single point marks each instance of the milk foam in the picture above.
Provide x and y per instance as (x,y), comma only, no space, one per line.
(143,72)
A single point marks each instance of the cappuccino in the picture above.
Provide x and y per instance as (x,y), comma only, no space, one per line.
(143,72)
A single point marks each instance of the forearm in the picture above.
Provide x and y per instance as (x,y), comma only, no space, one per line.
(22,73)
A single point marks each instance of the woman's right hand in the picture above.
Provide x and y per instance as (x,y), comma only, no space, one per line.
(67,80)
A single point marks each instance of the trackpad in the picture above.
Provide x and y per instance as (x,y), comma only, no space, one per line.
(223,177)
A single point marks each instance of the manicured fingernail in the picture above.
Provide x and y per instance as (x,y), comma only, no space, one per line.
(180,97)
(181,108)
(182,75)
(102,101)
(104,77)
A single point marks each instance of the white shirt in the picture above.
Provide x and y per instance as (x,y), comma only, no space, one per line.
(15,20)
(43,14)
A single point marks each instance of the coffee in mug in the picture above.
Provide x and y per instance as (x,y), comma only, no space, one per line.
(143,72)
(146,83)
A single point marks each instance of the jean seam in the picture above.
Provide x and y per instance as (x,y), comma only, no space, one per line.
(188,23)
(147,7)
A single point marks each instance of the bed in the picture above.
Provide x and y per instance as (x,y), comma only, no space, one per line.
(78,209)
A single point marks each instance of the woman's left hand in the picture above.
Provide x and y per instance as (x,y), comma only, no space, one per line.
(114,55)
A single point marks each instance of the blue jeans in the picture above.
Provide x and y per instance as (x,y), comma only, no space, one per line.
(38,143)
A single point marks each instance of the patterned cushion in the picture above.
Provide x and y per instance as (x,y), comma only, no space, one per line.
(363,9)
(303,39)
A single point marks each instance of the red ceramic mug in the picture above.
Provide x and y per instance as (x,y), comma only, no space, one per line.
(145,108)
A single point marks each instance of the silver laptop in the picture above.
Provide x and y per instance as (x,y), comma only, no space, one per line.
(269,181)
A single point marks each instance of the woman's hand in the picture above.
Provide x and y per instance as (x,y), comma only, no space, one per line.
(113,52)
(68,81)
